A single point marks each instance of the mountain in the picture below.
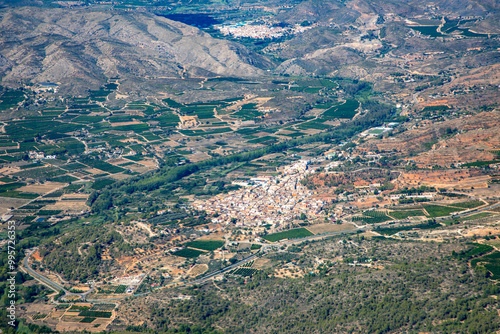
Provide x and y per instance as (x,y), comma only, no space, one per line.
(81,46)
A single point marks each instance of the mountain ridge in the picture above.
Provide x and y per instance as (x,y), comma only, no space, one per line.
(57,45)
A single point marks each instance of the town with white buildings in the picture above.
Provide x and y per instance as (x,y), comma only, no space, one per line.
(267,200)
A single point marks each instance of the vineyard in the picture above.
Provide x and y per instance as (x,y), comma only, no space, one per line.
(247,272)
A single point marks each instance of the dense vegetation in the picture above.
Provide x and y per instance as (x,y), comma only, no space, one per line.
(423,288)
(82,262)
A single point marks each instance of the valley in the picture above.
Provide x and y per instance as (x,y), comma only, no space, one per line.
(250,167)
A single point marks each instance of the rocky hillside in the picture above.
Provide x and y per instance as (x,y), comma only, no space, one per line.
(81,46)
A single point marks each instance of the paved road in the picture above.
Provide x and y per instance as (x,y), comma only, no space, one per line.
(51,284)
(278,245)
(466,213)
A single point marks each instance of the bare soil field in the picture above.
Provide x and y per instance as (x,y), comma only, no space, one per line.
(138,168)
(68,206)
(118,161)
(370,202)
(482,231)
(125,123)
(41,188)
(197,269)
(198,156)
(188,122)
(456,178)
(326,228)
(477,136)
(75,197)
(369,234)
(262,263)
(148,163)
(120,176)
(213,236)
(6,203)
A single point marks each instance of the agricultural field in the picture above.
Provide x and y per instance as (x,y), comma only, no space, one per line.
(439,211)
(246,272)
(491,262)
(477,216)
(394,230)
(468,204)
(208,245)
(373,217)
(403,214)
(341,134)
(95,314)
(290,234)
(188,253)
(346,109)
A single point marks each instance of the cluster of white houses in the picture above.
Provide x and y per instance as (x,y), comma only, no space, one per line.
(266,200)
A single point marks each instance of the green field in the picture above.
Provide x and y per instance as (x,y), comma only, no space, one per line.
(480,163)
(373,217)
(491,262)
(247,112)
(291,234)
(102,165)
(39,316)
(95,314)
(468,204)
(49,212)
(247,272)
(121,289)
(406,213)
(439,211)
(188,253)
(436,108)
(10,99)
(11,186)
(316,125)
(477,250)
(88,119)
(248,131)
(73,166)
(7,179)
(18,194)
(40,173)
(263,140)
(101,183)
(173,104)
(134,157)
(87,320)
(208,245)
(394,230)
(345,110)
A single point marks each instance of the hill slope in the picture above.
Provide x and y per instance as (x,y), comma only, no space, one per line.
(74,46)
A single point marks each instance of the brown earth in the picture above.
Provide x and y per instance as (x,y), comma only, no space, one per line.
(197,269)
(325,228)
(474,139)
(455,178)
(41,188)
